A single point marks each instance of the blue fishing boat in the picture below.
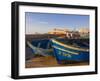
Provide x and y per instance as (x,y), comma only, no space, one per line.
(71,50)
(38,47)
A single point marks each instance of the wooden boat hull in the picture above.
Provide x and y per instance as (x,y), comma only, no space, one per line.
(66,52)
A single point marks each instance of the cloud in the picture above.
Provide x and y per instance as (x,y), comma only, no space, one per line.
(43,22)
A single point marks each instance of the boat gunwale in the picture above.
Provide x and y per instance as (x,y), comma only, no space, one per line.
(68,46)
(71,52)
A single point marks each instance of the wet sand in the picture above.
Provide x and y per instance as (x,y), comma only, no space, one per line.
(49,61)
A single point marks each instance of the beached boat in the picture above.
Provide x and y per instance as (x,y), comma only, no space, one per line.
(71,50)
(40,49)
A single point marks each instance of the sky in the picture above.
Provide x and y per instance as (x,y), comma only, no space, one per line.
(44,22)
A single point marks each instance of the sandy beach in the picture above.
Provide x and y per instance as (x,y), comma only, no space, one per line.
(49,61)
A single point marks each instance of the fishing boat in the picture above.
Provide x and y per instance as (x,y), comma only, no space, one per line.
(39,47)
(71,50)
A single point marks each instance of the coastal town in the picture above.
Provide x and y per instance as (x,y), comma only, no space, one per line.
(66,33)
(83,32)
